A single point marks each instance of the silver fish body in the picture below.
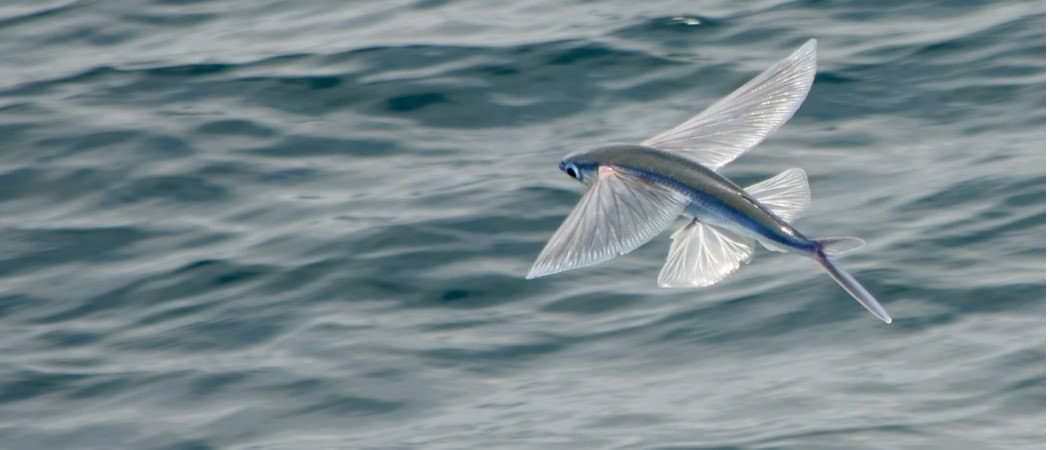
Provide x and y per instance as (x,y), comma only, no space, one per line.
(636,191)
(714,199)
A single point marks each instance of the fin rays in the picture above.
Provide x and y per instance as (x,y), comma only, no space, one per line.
(786,194)
(702,255)
(741,120)
(617,214)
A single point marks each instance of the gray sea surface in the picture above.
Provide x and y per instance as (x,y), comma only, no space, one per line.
(306,224)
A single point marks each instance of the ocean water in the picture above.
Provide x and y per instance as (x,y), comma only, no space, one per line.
(306,224)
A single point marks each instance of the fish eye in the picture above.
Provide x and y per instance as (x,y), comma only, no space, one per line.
(572,172)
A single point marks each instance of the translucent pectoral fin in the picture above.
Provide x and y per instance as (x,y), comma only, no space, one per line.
(786,194)
(738,122)
(619,213)
(702,255)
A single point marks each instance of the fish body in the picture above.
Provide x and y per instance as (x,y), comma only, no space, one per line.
(713,198)
(637,191)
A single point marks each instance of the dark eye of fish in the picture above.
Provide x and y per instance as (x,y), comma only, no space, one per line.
(572,172)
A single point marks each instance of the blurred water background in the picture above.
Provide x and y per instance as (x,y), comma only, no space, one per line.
(305,224)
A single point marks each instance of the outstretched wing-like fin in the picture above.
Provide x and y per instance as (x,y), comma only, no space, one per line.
(617,214)
(738,122)
(702,255)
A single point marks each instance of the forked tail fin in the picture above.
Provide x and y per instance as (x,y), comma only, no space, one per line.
(835,246)
(854,287)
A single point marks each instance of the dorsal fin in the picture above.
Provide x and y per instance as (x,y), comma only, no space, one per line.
(786,194)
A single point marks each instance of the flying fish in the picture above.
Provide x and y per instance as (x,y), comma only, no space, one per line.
(636,191)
